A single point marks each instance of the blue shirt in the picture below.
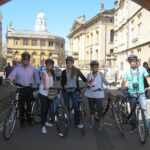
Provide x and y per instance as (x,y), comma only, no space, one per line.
(135,76)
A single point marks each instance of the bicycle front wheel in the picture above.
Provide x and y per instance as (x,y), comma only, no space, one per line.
(10,122)
(62,120)
(36,111)
(117,119)
(141,125)
(82,115)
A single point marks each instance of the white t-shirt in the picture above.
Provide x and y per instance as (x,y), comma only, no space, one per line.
(98,82)
(49,83)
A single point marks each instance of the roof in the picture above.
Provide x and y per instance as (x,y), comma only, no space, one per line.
(31,34)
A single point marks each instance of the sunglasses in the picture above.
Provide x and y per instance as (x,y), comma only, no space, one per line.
(132,60)
(26,59)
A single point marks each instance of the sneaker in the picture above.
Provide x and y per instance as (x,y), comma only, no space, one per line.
(80,126)
(133,130)
(48,124)
(44,130)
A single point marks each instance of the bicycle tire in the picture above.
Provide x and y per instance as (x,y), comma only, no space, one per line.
(121,107)
(117,120)
(141,122)
(82,115)
(9,122)
(36,111)
(62,120)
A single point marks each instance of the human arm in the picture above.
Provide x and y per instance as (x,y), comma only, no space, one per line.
(12,75)
(43,79)
(36,77)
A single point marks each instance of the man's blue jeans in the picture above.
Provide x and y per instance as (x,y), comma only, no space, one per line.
(74,97)
(143,103)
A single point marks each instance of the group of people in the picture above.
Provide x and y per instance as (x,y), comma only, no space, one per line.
(25,74)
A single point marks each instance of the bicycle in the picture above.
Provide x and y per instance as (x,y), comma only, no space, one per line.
(13,111)
(126,115)
(59,113)
(111,104)
(81,106)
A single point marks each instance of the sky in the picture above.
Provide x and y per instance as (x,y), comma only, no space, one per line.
(60,14)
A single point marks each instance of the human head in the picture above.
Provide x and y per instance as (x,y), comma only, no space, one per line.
(69,62)
(94,65)
(25,58)
(133,60)
(145,64)
(49,63)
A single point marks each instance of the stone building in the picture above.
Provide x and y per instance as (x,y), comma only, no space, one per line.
(93,39)
(40,43)
(131,32)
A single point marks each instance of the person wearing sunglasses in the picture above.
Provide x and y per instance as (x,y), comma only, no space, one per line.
(133,80)
(24,75)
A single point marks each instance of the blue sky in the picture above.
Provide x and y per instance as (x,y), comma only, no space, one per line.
(60,14)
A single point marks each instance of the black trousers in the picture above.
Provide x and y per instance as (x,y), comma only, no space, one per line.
(25,100)
(45,106)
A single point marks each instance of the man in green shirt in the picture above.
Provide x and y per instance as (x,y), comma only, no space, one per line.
(133,80)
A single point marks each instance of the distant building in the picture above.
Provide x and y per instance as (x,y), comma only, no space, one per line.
(131,32)
(40,43)
(93,39)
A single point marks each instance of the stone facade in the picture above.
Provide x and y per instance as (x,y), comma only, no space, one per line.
(131,32)
(40,44)
(93,39)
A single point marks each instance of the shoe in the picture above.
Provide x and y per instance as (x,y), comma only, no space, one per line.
(48,124)
(133,130)
(80,126)
(44,130)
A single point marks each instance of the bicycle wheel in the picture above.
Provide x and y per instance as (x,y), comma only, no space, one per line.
(10,122)
(62,120)
(36,111)
(141,125)
(121,107)
(117,119)
(82,115)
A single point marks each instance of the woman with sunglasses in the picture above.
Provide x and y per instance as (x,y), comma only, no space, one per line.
(47,81)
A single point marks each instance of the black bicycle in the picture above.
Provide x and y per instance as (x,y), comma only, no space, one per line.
(59,112)
(122,104)
(13,112)
(110,104)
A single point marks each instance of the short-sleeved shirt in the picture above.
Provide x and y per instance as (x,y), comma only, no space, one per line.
(135,76)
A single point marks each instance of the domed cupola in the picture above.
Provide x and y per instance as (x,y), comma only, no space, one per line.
(40,24)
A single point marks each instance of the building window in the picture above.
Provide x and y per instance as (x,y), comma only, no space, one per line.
(25,42)
(97,36)
(34,42)
(112,35)
(16,42)
(111,51)
(50,44)
(62,45)
(42,42)
(57,45)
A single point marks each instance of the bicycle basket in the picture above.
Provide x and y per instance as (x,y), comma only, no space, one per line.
(51,93)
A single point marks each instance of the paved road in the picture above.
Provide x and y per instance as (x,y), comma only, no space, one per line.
(31,138)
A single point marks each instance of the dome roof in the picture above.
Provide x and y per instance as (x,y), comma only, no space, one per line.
(41,15)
